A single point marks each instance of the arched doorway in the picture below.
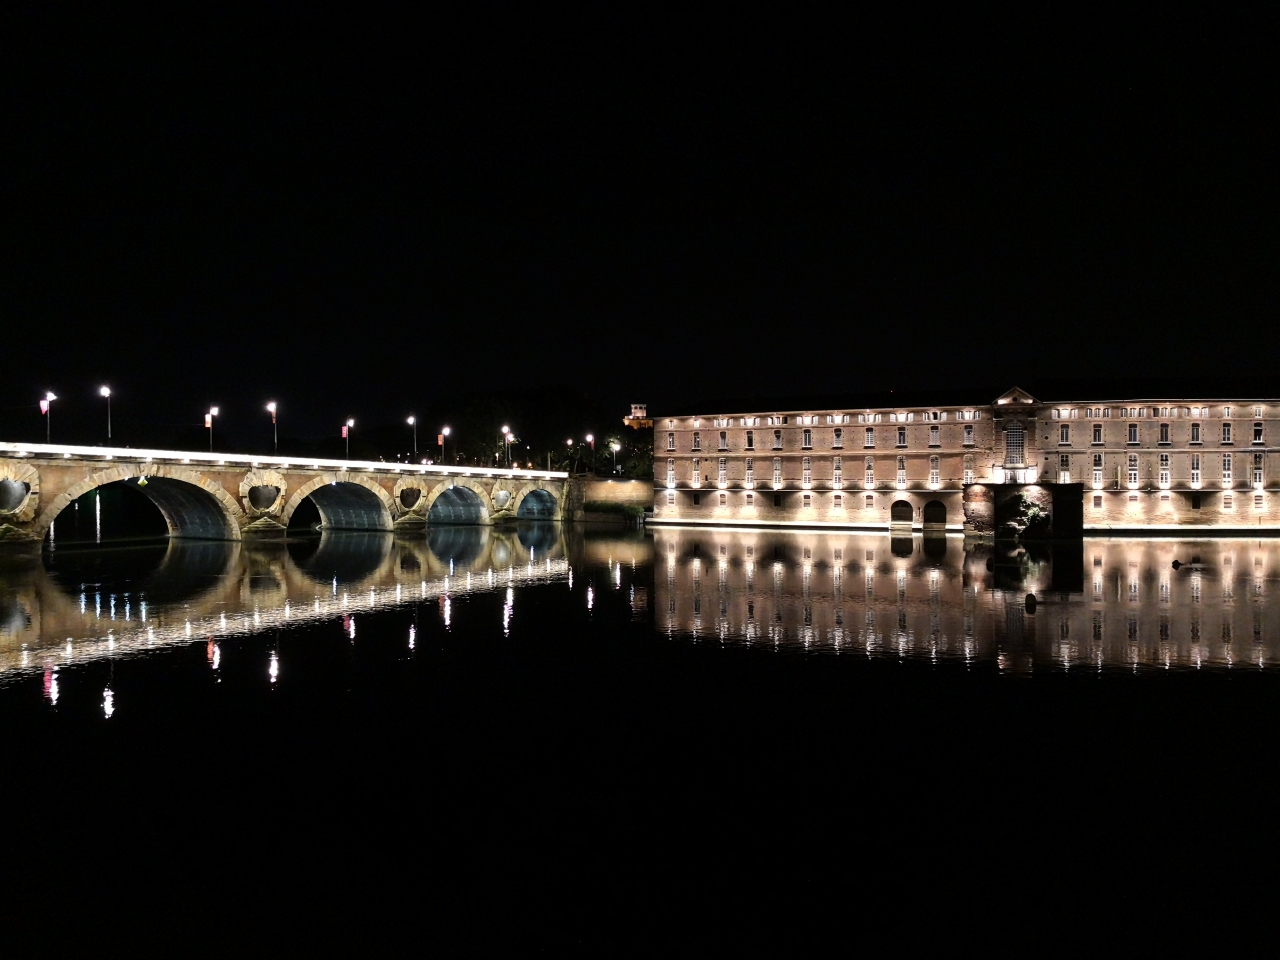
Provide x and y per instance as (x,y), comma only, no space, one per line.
(901,512)
(935,516)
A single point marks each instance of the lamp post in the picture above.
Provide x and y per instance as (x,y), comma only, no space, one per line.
(506,443)
(413,422)
(106,392)
(569,461)
(346,434)
(614,447)
(444,432)
(275,437)
(46,407)
(208,422)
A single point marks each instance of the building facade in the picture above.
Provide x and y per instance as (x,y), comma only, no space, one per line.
(1135,464)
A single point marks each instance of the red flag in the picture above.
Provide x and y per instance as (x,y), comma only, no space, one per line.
(344,432)
(44,406)
(208,421)
(439,439)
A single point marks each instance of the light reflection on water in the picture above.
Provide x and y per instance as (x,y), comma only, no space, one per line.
(1100,606)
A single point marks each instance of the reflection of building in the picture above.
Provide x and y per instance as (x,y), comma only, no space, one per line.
(1136,464)
(869,594)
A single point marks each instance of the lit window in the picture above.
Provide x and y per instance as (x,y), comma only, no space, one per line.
(870,502)
(1227,502)
(808,501)
(697,472)
(1226,412)
(1226,433)
(1014,444)
(837,438)
(870,481)
(902,472)
(671,473)
(1133,471)
(902,436)
(751,499)
(697,441)
(934,473)
(671,441)
(751,473)
(968,469)
(1064,433)
(1164,470)
(806,473)
(870,440)
(1195,433)
(1257,470)
(1064,468)
(1257,433)
(838,501)
(722,472)
(1097,471)
(1097,433)
(968,434)
(1226,470)
(724,499)
(671,498)
(837,473)
(807,442)
(1133,433)
(777,472)
(1257,501)
(1195,470)
(1097,501)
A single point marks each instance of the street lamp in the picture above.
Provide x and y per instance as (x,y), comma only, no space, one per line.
(106,392)
(346,434)
(614,447)
(413,422)
(506,443)
(275,437)
(208,422)
(444,432)
(46,407)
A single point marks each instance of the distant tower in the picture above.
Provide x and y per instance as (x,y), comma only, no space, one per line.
(639,417)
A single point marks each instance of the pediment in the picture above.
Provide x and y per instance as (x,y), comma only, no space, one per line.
(1016,395)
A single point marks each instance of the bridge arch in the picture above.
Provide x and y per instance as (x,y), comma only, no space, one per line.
(19,491)
(346,501)
(537,503)
(192,504)
(458,501)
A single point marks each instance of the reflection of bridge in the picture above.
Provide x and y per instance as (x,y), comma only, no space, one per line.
(227,497)
(220,589)
(874,595)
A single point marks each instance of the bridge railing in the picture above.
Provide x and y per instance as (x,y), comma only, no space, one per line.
(204,458)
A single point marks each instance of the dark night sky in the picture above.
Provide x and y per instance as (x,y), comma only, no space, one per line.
(373,214)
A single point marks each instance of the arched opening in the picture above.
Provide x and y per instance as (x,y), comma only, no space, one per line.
(141,508)
(901,512)
(349,506)
(456,505)
(12,493)
(935,515)
(537,505)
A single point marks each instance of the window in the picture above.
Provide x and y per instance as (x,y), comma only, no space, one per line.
(838,501)
(671,498)
(902,436)
(968,469)
(808,500)
(837,473)
(934,440)
(1257,501)
(671,441)
(697,441)
(777,472)
(751,499)
(870,481)
(724,499)
(751,421)
(751,473)
(837,438)
(697,472)
(1097,433)
(724,441)
(1226,413)
(1106,413)
(671,424)
(870,502)
(934,473)
(751,439)
(1133,471)
(1164,470)
(1014,443)
(1164,433)
(697,422)
(807,442)
(1257,411)
(1228,502)
(1226,469)
(806,473)
(722,472)
(1226,433)
(671,474)
(1195,470)
(697,499)
(1064,433)
(870,440)
(1064,468)
(1097,471)
(777,439)
(777,499)
(902,472)
(1133,433)
(721,421)
(968,434)
(1097,501)
(1195,433)
(1257,433)
(1257,470)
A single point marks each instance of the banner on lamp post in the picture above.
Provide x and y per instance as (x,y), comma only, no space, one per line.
(44,406)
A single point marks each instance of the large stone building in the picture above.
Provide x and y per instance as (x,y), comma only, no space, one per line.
(1101,464)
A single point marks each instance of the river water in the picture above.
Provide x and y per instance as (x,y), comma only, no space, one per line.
(596,731)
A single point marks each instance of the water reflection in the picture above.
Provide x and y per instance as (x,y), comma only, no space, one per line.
(1099,604)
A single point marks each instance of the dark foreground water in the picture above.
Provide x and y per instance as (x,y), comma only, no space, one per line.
(554,741)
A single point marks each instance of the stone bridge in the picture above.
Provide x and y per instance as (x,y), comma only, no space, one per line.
(216,496)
